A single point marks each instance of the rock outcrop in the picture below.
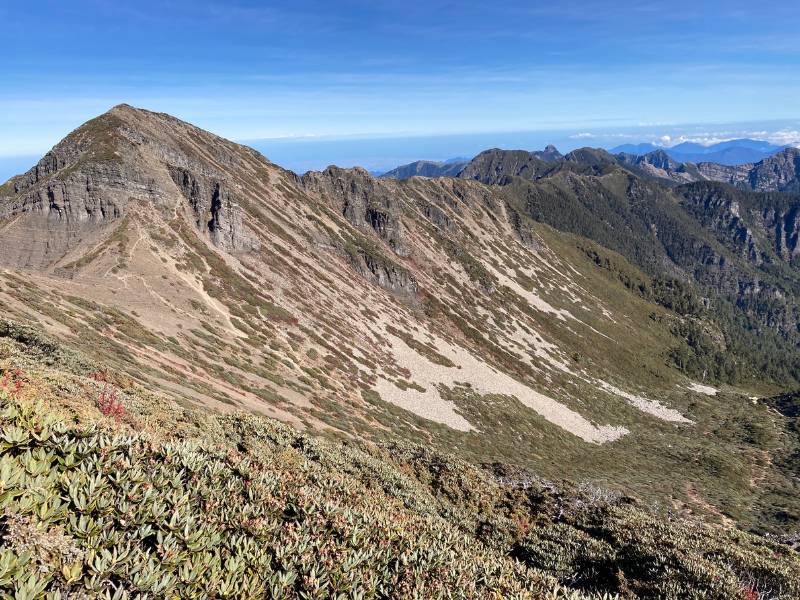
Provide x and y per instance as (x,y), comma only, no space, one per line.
(778,173)
(660,165)
(364,201)
(122,159)
(215,211)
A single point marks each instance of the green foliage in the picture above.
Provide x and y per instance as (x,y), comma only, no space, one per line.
(673,294)
(764,353)
(596,540)
(694,234)
(698,354)
(42,349)
(89,511)
(677,296)
(241,506)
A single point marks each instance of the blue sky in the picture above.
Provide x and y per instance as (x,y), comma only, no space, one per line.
(388,69)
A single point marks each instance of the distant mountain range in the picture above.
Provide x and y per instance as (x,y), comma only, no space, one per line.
(427,168)
(454,166)
(779,172)
(731,152)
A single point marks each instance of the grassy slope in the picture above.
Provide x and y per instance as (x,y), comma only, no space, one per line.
(720,456)
(718,460)
(171,501)
(730,447)
(656,230)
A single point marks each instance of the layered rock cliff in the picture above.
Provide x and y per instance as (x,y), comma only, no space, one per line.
(778,173)
(115,164)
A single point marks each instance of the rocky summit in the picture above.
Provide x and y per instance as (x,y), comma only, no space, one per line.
(526,361)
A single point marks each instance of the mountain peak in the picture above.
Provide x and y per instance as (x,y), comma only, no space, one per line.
(127,111)
(659,158)
(128,162)
(592,157)
(124,108)
(550,153)
(495,165)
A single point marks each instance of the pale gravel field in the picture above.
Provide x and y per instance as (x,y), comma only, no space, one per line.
(646,405)
(703,389)
(484,380)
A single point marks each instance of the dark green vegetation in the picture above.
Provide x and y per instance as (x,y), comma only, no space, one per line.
(164,501)
(713,251)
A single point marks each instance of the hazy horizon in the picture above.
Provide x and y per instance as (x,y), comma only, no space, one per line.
(379,153)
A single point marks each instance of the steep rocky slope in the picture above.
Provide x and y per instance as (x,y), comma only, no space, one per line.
(660,165)
(778,173)
(444,311)
(764,227)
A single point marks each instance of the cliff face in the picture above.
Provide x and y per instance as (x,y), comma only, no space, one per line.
(721,212)
(76,189)
(786,227)
(778,173)
(125,161)
(736,175)
(764,227)
(660,165)
(363,201)
(215,210)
